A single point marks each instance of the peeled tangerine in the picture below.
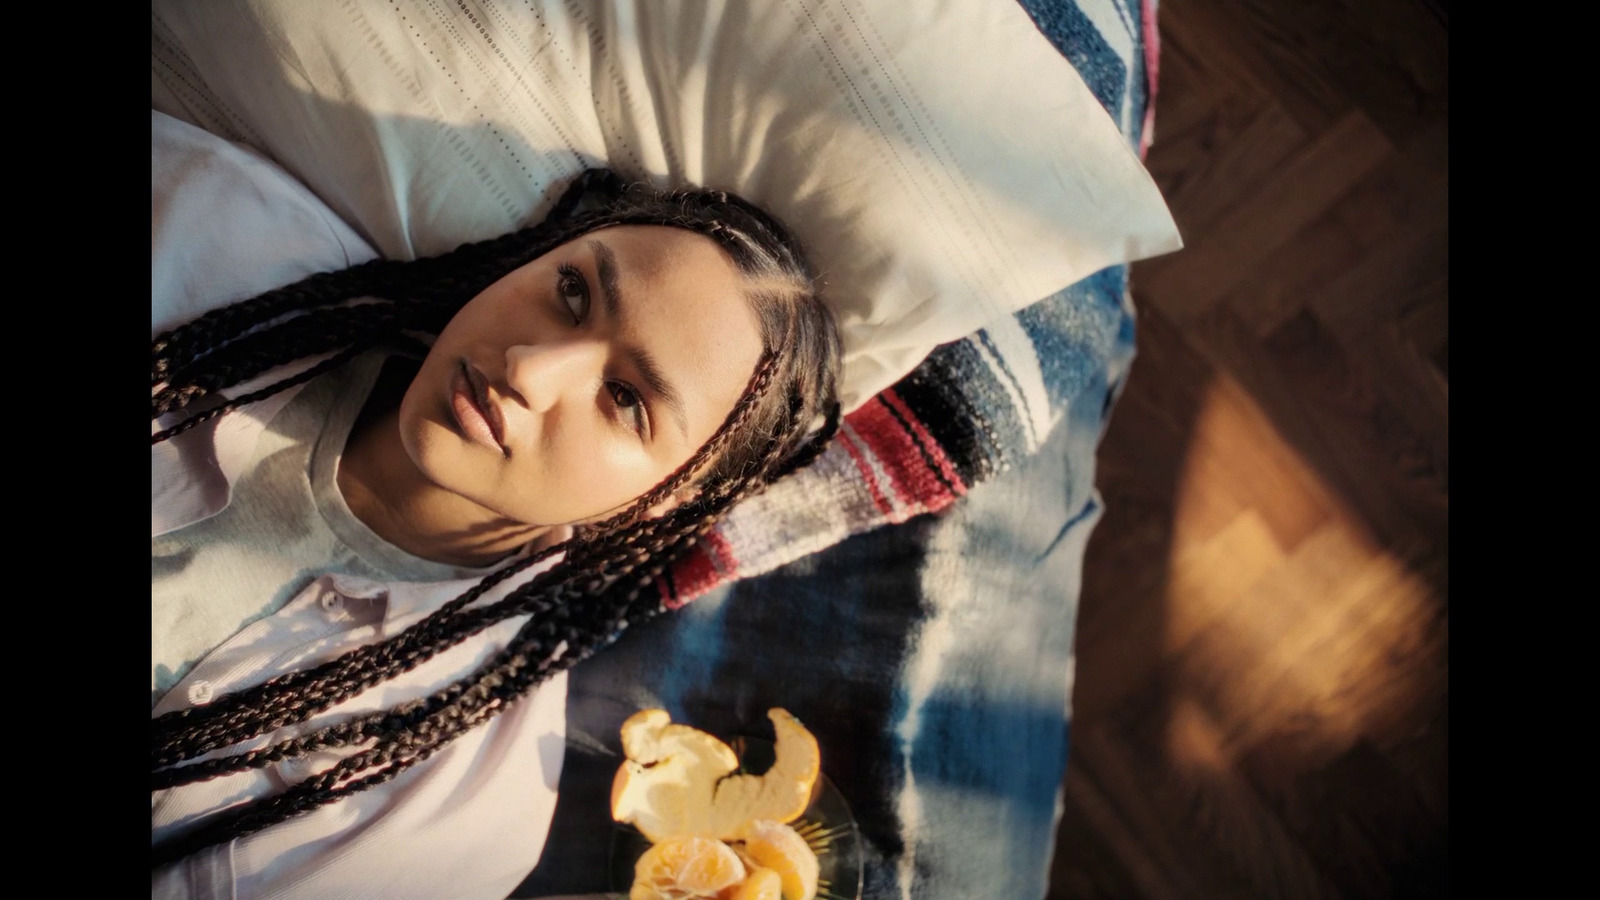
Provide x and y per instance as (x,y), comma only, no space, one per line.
(677,781)
(689,868)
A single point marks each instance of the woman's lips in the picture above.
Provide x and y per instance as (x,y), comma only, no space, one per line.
(478,417)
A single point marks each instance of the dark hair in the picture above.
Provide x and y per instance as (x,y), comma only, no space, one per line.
(603,582)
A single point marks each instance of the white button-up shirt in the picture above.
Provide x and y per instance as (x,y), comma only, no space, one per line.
(469,821)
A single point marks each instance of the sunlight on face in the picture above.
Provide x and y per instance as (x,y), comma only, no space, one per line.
(581,380)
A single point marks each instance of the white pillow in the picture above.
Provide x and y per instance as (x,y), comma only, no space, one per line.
(942,162)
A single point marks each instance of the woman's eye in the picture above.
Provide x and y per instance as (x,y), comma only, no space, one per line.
(629,403)
(574,292)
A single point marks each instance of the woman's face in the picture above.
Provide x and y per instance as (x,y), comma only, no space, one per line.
(578,382)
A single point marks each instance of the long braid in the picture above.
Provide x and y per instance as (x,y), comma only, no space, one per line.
(327,365)
(409,735)
(447,713)
(261,351)
(575,609)
(192,732)
(376,277)
(580,643)
(439,282)
(215,328)
(296,696)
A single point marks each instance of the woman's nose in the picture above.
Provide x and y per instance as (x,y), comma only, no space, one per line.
(543,373)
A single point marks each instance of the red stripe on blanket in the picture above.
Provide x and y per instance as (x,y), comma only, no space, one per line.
(858,456)
(709,564)
(919,473)
(933,447)
(894,440)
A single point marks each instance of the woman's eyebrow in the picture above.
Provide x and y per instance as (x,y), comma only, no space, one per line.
(605,262)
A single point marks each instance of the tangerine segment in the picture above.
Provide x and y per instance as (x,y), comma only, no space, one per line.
(762,884)
(776,846)
(685,868)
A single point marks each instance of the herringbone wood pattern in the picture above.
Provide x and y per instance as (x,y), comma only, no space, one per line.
(1260,705)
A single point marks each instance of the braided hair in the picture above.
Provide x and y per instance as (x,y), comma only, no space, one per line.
(602,583)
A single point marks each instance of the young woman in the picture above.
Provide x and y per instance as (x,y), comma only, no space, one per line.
(485,460)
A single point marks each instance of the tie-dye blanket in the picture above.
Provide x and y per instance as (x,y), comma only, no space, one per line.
(932,658)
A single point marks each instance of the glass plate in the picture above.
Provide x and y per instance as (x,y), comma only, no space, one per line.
(827,826)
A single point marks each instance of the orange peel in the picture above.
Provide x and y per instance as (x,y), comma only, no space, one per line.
(678,781)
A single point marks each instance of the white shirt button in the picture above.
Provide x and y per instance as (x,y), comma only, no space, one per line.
(200,693)
(332,603)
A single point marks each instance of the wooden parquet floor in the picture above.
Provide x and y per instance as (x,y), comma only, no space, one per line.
(1261,694)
